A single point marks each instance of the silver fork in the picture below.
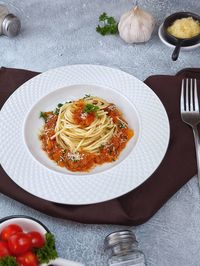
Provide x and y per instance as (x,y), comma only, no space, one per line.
(190,113)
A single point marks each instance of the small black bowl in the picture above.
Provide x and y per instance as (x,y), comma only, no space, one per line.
(178,42)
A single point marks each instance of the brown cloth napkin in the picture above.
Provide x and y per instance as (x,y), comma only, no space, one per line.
(136,207)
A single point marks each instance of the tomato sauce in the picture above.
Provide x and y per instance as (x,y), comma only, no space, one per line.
(86,161)
(81,118)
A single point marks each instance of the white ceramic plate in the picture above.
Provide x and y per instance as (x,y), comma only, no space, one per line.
(27,165)
(163,40)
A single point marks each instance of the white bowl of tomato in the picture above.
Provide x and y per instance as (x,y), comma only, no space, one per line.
(25,241)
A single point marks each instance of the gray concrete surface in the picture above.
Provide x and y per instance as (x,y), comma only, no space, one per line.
(57,33)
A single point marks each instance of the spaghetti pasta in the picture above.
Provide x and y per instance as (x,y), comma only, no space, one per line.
(84,133)
(89,138)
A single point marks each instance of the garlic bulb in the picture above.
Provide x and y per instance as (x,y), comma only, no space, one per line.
(136,26)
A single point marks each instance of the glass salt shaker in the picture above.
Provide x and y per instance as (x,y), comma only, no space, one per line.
(9,24)
(124,248)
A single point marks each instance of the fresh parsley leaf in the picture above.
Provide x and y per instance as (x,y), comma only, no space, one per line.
(8,261)
(89,108)
(57,110)
(110,150)
(103,17)
(48,251)
(109,25)
(87,96)
(111,20)
(44,116)
(122,125)
(101,147)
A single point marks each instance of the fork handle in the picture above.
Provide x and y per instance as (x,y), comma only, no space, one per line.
(197,147)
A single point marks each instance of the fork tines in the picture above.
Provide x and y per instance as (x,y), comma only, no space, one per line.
(189,96)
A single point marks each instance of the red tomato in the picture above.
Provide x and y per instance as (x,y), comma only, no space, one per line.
(19,243)
(9,230)
(37,239)
(27,259)
(4,249)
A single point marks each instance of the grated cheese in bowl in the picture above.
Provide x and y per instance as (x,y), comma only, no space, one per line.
(184,28)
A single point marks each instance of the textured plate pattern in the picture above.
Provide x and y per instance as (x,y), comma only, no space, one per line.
(74,189)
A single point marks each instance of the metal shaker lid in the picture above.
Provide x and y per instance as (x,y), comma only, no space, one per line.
(123,236)
(11,25)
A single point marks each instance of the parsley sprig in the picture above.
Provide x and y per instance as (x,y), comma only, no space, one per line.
(44,116)
(109,25)
(48,251)
(57,110)
(8,261)
(89,108)
(87,96)
(122,125)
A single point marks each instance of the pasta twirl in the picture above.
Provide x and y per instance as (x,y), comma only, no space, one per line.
(84,133)
(88,138)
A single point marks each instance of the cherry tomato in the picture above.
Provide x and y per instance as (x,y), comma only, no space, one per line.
(37,240)
(27,259)
(4,249)
(9,230)
(19,243)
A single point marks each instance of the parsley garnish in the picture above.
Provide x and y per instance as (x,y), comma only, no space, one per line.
(48,251)
(57,110)
(44,116)
(122,125)
(101,147)
(89,108)
(8,261)
(87,96)
(110,150)
(109,25)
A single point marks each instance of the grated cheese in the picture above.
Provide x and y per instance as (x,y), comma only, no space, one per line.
(184,28)
(84,115)
(112,107)
(74,156)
